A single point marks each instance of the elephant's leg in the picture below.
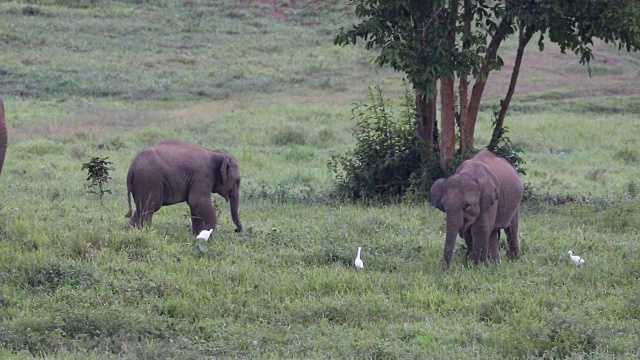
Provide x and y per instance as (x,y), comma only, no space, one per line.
(203,213)
(494,246)
(147,203)
(480,232)
(513,236)
(469,241)
(134,221)
(480,245)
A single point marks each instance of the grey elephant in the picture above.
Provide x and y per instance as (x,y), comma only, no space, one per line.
(480,199)
(171,172)
(3,134)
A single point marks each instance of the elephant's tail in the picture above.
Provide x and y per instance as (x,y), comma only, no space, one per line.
(129,194)
(128,214)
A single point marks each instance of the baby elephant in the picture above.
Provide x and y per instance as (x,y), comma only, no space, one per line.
(171,172)
(480,199)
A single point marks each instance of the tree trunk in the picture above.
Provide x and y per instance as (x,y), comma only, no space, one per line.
(447,124)
(425,128)
(463,90)
(524,38)
(466,144)
(481,80)
(447,98)
(432,109)
(427,119)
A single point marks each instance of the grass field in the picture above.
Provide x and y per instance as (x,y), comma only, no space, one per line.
(262,81)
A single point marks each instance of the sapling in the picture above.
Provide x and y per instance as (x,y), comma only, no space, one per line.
(98,174)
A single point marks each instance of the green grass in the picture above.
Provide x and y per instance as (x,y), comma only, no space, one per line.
(110,78)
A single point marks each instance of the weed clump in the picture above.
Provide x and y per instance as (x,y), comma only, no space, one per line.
(627,156)
(52,274)
(289,136)
(564,336)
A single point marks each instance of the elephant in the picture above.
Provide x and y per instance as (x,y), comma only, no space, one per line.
(482,197)
(3,134)
(170,172)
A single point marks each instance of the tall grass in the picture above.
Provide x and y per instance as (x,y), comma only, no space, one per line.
(110,78)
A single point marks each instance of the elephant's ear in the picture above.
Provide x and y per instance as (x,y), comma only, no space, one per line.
(488,193)
(225,170)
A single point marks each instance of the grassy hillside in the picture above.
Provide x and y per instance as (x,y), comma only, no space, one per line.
(262,80)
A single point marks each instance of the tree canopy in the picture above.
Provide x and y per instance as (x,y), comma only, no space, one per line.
(454,40)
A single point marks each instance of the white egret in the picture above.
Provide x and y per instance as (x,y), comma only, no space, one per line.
(576,259)
(358,262)
(204,235)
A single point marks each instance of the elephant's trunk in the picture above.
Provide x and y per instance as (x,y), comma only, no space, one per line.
(234,202)
(3,134)
(454,223)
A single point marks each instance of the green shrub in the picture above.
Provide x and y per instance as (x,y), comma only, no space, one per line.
(566,335)
(390,158)
(627,156)
(52,274)
(289,136)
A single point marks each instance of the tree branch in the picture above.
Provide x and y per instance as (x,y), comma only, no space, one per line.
(481,80)
(526,33)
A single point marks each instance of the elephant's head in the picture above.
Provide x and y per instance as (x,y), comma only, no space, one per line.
(229,186)
(435,195)
(463,197)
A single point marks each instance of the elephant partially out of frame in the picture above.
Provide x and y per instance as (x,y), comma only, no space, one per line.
(480,199)
(171,172)
(3,134)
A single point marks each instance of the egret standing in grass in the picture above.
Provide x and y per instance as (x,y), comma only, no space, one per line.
(358,262)
(576,259)
(204,235)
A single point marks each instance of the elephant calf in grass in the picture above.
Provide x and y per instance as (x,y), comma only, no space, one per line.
(171,172)
(480,199)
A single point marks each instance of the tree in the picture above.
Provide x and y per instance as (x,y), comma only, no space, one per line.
(443,41)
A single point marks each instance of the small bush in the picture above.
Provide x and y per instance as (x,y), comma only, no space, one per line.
(620,217)
(627,156)
(52,274)
(389,158)
(631,189)
(566,335)
(289,136)
(38,147)
(324,136)
(495,310)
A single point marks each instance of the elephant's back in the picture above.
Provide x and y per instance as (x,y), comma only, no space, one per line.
(176,147)
(169,150)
